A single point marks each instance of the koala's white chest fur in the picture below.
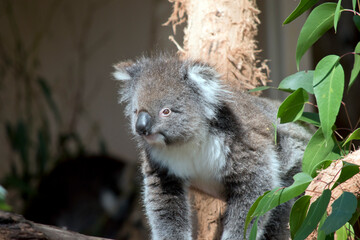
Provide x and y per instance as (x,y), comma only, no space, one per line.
(199,162)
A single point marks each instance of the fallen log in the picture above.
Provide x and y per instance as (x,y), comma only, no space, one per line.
(14,226)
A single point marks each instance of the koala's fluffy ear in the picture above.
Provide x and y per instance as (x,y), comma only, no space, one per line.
(207,80)
(123,70)
(209,86)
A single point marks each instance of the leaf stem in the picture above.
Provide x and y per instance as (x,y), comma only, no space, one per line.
(349,10)
(347,115)
(345,129)
(312,104)
(357,123)
(348,53)
(338,134)
(337,143)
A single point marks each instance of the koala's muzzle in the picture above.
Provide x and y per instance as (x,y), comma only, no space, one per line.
(143,123)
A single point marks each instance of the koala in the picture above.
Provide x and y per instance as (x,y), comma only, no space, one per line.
(194,131)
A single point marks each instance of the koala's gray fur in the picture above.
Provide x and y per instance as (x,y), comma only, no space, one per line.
(218,141)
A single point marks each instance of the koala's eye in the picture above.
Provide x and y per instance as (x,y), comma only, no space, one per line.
(135,111)
(165,112)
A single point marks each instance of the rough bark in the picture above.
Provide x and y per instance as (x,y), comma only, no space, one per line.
(14,226)
(220,33)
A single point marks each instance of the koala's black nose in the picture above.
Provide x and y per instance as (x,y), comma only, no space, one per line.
(143,123)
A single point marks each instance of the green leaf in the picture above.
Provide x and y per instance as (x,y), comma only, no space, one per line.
(356,20)
(249,215)
(316,211)
(300,9)
(298,213)
(322,165)
(262,88)
(336,153)
(342,210)
(281,195)
(254,230)
(345,232)
(354,4)
(356,69)
(328,88)
(312,118)
(356,215)
(293,106)
(348,171)
(316,151)
(333,155)
(320,20)
(303,79)
(321,234)
(355,135)
(337,14)
(49,99)
(265,203)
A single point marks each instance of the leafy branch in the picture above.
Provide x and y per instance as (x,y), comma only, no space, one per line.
(327,84)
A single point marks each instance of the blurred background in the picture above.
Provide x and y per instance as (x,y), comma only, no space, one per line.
(67,157)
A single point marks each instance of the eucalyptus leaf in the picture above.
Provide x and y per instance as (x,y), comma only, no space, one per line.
(356,215)
(262,88)
(302,79)
(342,210)
(321,234)
(253,231)
(312,118)
(265,203)
(337,14)
(356,20)
(328,88)
(293,106)
(298,213)
(300,9)
(316,212)
(354,4)
(356,69)
(333,155)
(251,212)
(355,135)
(320,20)
(348,171)
(316,151)
(336,153)
(281,195)
(345,232)
(322,165)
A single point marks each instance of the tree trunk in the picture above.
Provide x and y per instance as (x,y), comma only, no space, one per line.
(326,180)
(220,33)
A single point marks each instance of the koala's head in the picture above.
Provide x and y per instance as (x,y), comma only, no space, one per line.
(169,101)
